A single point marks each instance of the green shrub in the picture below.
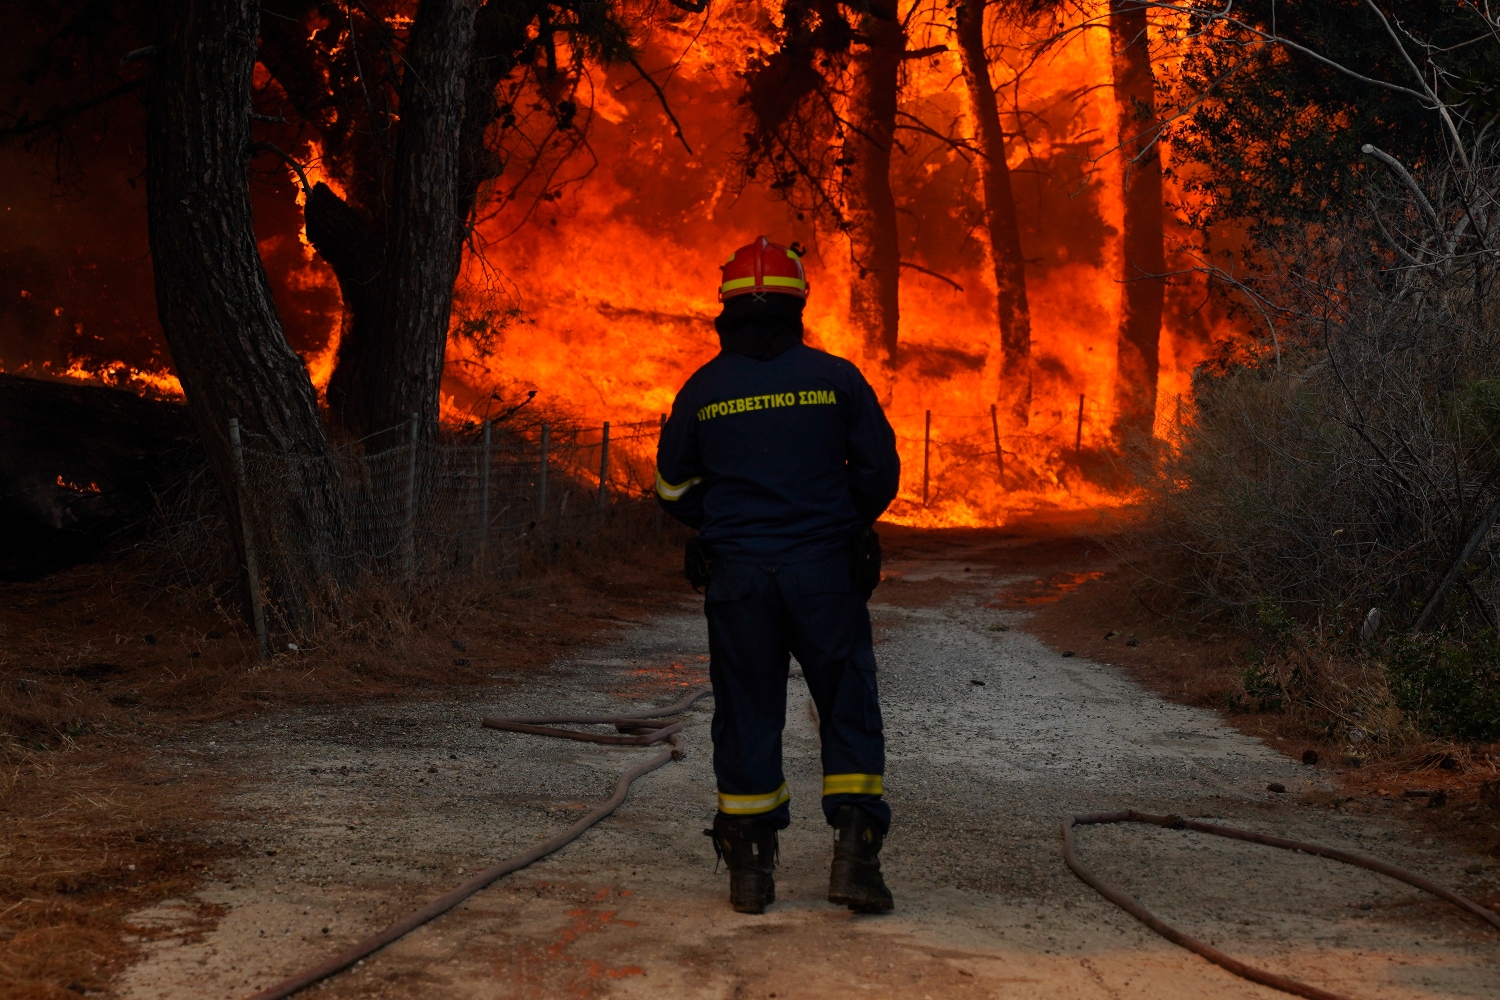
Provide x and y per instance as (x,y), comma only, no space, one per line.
(1264,687)
(1447,688)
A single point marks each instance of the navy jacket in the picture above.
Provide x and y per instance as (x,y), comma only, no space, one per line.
(777,461)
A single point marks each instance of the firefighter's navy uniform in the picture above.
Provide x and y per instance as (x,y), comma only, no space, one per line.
(782,463)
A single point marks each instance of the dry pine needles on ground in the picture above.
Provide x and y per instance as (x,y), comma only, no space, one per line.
(99,663)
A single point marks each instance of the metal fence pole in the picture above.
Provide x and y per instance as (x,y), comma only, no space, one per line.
(926,455)
(541,483)
(484,496)
(604,466)
(1078,438)
(252,565)
(409,542)
(999,452)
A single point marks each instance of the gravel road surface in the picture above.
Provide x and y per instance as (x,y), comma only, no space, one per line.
(351,815)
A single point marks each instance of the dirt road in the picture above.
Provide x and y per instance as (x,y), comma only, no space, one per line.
(350,816)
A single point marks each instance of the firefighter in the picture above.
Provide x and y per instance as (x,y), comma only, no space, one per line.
(782,456)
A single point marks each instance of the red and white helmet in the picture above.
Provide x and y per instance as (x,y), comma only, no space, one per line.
(764,266)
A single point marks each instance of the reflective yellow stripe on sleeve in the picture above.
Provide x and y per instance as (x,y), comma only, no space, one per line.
(749,805)
(667,491)
(853,784)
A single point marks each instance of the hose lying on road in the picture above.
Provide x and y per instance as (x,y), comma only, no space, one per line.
(1166,930)
(634,722)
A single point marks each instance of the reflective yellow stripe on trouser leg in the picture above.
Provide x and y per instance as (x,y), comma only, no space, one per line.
(853,784)
(749,805)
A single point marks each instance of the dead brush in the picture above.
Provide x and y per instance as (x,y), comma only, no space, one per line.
(1336,486)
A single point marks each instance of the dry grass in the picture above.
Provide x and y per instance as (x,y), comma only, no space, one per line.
(91,835)
(1344,448)
(98,663)
(1319,505)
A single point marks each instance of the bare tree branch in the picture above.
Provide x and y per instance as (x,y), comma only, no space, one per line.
(662,97)
(932,274)
(26,126)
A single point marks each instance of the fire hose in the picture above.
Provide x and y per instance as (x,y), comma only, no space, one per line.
(1287,985)
(634,729)
(653,726)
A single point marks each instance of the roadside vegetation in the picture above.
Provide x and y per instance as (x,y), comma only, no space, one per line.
(1335,493)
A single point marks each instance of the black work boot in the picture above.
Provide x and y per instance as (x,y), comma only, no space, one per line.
(747,845)
(856,881)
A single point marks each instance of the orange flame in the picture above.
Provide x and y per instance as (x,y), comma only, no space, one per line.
(600,294)
(616,280)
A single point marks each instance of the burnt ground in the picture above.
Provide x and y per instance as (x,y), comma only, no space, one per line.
(332,819)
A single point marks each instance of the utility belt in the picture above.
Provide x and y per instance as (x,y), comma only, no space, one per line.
(864,562)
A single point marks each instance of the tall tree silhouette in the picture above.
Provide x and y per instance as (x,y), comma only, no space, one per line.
(834,162)
(1143,257)
(213,297)
(870,205)
(1012,311)
(411,128)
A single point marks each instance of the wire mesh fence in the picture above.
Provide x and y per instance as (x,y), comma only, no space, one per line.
(468,502)
(482,500)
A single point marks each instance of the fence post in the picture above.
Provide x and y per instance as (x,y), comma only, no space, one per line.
(999,453)
(926,455)
(409,542)
(541,489)
(484,496)
(1078,438)
(604,466)
(252,565)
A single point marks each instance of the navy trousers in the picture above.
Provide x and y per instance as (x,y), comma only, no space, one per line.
(758,616)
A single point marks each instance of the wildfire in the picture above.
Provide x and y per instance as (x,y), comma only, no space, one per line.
(161,384)
(600,294)
(617,279)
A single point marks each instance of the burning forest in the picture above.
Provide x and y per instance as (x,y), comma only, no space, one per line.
(995,408)
(990,207)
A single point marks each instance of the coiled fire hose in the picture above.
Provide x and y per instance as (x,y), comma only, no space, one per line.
(634,729)
(1287,985)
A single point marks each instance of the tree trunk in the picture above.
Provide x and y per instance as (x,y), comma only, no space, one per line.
(1143,257)
(874,293)
(347,241)
(392,363)
(1012,311)
(213,298)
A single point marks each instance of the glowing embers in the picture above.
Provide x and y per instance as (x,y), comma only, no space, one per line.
(77,488)
(1053,588)
(160,384)
(647,682)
